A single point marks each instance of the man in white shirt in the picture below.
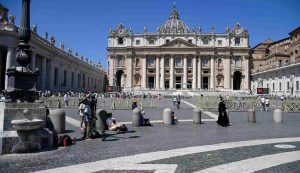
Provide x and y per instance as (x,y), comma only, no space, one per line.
(113,125)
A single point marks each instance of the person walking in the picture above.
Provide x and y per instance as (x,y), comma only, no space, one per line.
(223,118)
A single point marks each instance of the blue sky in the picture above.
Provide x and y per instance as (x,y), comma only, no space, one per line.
(83,25)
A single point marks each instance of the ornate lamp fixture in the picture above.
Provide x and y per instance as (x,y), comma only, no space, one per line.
(21,80)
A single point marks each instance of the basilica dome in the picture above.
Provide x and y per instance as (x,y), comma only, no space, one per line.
(174,24)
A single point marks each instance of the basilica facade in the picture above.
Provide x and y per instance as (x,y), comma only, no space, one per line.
(177,57)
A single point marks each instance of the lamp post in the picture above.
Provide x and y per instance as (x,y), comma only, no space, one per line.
(22,80)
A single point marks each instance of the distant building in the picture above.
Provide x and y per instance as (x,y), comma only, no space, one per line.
(276,65)
(58,70)
(177,57)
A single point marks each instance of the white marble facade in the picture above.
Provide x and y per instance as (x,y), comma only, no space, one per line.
(58,70)
(176,57)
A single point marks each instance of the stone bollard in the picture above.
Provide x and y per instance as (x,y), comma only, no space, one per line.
(136,117)
(277,116)
(58,118)
(197,116)
(251,116)
(101,116)
(167,118)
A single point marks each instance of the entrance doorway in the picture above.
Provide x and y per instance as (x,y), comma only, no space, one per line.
(189,84)
(205,82)
(2,68)
(237,80)
(167,84)
(119,78)
(151,82)
(178,82)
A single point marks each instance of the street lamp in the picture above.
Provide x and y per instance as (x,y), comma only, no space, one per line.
(21,80)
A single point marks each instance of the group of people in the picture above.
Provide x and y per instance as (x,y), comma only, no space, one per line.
(176,101)
(87,111)
(265,103)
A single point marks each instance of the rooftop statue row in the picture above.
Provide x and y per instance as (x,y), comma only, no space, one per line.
(176,26)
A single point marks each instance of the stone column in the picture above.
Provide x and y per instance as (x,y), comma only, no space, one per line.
(194,84)
(172,72)
(162,73)
(44,69)
(227,73)
(51,82)
(9,62)
(129,71)
(33,57)
(157,73)
(212,72)
(184,71)
(246,71)
(144,75)
(199,72)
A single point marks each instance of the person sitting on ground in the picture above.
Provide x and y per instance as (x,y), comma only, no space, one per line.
(174,119)
(113,125)
(145,119)
(134,105)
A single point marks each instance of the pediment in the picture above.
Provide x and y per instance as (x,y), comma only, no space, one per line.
(179,43)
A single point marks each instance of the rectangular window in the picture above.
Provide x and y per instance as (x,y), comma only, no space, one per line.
(274,86)
(167,41)
(190,41)
(120,41)
(137,42)
(279,86)
(205,41)
(237,41)
(297,85)
(189,62)
(288,85)
(151,62)
(219,42)
(55,77)
(167,62)
(178,62)
(205,62)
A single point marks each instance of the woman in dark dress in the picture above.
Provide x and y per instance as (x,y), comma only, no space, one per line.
(223,118)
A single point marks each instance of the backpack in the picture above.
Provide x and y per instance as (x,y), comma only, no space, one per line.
(64,140)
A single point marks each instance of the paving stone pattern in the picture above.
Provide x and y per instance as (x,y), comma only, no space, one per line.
(158,138)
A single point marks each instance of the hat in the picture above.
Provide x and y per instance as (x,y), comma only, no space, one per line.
(143,112)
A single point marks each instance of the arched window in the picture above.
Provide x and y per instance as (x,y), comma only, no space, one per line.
(151,41)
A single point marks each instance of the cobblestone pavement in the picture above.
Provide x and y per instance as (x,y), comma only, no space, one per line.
(185,147)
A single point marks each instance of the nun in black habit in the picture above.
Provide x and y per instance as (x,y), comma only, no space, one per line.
(223,118)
